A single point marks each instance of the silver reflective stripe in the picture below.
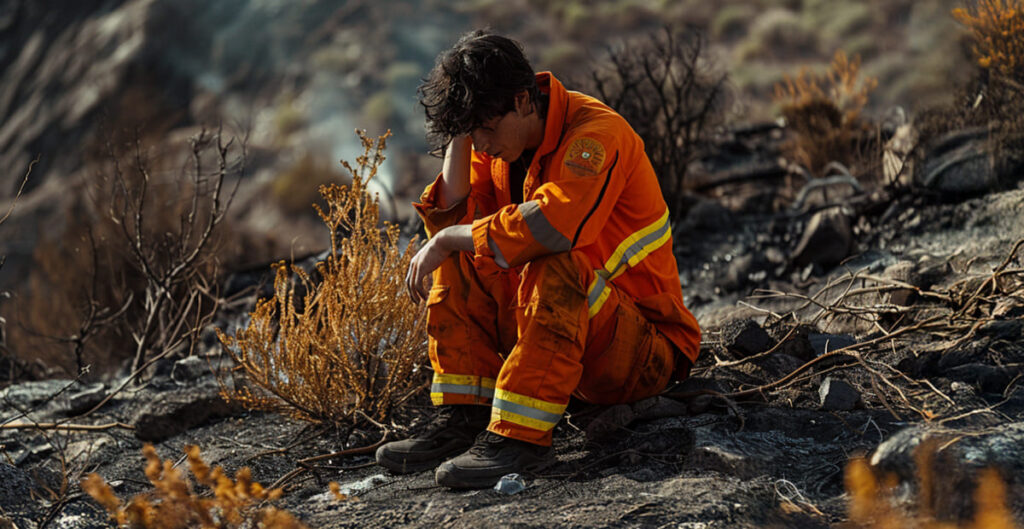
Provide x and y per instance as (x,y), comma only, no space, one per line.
(462,390)
(541,229)
(595,292)
(638,246)
(526,411)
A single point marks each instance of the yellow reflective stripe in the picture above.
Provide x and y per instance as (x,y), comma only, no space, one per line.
(463,380)
(615,260)
(631,251)
(530,402)
(512,417)
(443,383)
(597,294)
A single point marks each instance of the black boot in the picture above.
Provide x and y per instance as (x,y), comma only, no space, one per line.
(491,457)
(450,432)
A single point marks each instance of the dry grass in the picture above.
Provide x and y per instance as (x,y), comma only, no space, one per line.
(824,114)
(997,29)
(174,504)
(353,343)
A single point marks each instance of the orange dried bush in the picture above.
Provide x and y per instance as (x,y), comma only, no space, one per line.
(997,28)
(823,112)
(353,342)
(871,504)
(173,504)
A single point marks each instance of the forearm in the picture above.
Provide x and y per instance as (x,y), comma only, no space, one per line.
(457,238)
(455,174)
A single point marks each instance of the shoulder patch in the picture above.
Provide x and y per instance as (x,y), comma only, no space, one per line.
(584,157)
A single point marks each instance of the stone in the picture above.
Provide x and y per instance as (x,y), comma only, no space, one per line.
(958,457)
(826,240)
(86,399)
(744,338)
(189,369)
(987,378)
(178,411)
(837,395)
(825,343)
(1002,329)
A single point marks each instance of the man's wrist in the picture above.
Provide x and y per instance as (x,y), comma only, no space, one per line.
(457,238)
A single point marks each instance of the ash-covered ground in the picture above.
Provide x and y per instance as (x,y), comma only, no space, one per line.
(860,325)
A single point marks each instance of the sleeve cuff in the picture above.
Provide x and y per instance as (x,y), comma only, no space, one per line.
(436,219)
(481,246)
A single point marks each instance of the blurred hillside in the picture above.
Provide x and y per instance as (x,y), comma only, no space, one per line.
(87,82)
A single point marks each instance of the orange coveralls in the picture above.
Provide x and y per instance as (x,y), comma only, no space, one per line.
(591,303)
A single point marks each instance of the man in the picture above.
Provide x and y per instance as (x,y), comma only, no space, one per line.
(552,264)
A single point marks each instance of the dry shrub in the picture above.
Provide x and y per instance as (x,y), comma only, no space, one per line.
(175,505)
(823,112)
(667,90)
(353,342)
(997,29)
(131,272)
(872,500)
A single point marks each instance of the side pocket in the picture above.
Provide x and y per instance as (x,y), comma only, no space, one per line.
(442,323)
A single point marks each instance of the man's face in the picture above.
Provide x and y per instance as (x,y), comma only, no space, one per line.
(506,136)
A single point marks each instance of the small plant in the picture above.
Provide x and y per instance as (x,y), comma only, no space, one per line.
(175,505)
(823,112)
(354,342)
(997,29)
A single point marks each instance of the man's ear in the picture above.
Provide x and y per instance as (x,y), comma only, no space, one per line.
(524,106)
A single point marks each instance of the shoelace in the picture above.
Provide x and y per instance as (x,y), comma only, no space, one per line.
(486,442)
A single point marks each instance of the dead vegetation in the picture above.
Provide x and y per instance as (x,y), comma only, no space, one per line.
(174,504)
(135,275)
(823,113)
(667,89)
(345,342)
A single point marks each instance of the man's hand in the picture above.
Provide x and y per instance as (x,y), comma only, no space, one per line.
(431,255)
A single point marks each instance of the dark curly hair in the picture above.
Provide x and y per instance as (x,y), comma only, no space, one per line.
(473,82)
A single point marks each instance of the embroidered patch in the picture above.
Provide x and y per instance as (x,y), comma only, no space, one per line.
(585,157)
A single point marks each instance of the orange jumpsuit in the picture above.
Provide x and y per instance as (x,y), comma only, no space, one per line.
(590,304)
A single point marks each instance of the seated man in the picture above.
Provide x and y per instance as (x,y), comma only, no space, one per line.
(553,271)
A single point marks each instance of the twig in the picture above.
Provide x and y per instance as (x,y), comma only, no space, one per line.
(305,464)
(21,188)
(66,427)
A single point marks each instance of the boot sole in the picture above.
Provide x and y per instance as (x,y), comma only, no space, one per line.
(447,478)
(401,467)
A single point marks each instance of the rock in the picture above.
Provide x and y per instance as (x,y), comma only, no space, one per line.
(744,338)
(957,457)
(189,369)
(837,395)
(85,399)
(989,379)
(29,395)
(178,411)
(826,240)
(960,163)
(1009,330)
(901,271)
(825,343)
